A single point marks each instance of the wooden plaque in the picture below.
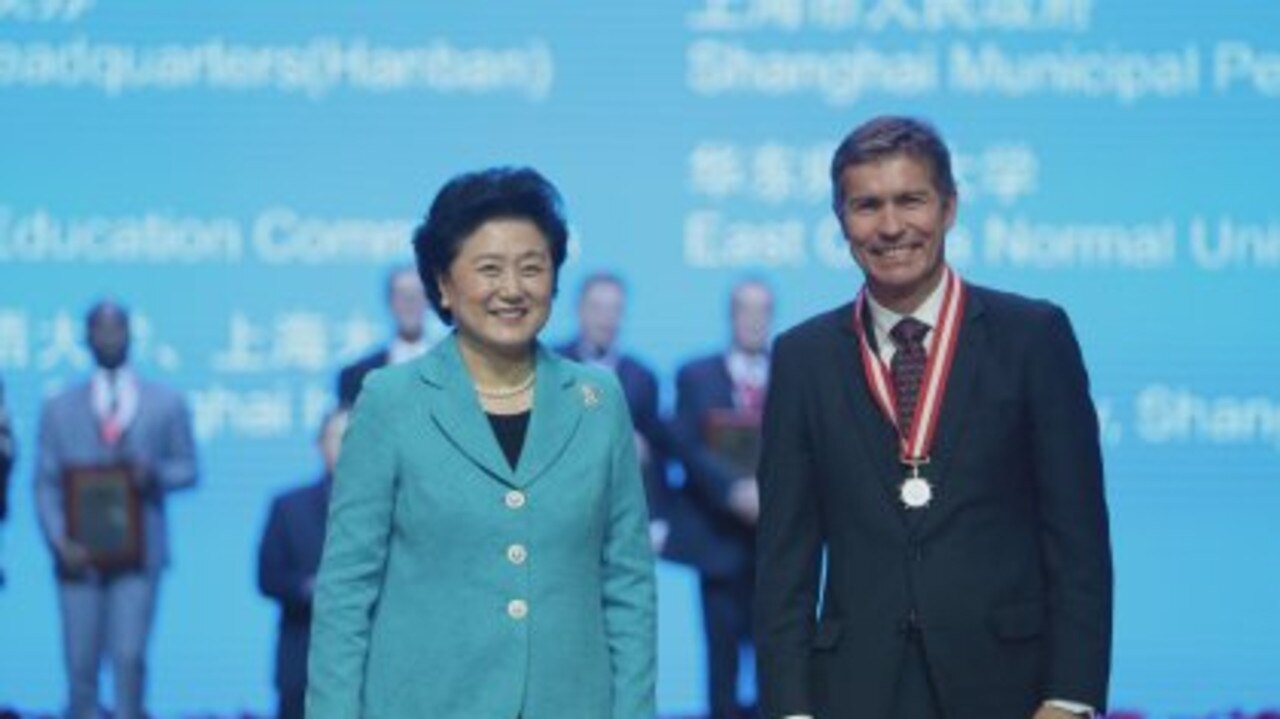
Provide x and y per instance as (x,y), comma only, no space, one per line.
(104,515)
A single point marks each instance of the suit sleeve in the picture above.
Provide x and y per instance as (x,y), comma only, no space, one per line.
(706,474)
(348,385)
(176,464)
(630,598)
(1075,537)
(354,558)
(48,478)
(657,436)
(278,571)
(788,543)
(7,453)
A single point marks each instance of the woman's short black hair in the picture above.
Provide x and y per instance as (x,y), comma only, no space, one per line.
(468,201)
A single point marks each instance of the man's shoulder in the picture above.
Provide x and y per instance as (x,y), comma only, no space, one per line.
(374,359)
(288,499)
(629,363)
(67,396)
(157,391)
(567,349)
(68,402)
(703,364)
(1011,308)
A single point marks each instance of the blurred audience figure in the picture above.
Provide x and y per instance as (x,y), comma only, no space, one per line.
(407,303)
(8,451)
(722,395)
(602,300)
(119,423)
(288,558)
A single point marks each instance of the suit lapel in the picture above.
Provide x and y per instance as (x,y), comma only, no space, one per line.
(722,389)
(558,401)
(970,346)
(881,439)
(456,410)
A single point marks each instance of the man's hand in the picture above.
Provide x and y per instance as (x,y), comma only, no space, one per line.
(142,477)
(744,500)
(659,530)
(1048,711)
(73,558)
(642,449)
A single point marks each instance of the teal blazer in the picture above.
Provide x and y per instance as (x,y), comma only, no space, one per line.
(453,586)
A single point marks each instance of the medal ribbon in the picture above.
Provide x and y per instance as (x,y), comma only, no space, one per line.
(914,450)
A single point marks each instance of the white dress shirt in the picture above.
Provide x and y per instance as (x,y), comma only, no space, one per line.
(401,351)
(114,395)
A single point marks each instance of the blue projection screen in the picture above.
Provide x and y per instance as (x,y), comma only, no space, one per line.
(242,174)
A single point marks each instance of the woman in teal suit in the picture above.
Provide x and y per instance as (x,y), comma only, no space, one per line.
(487,553)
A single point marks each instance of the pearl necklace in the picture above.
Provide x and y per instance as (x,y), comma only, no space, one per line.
(506,392)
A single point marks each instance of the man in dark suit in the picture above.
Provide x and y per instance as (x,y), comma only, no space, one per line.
(7,453)
(602,301)
(713,529)
(936,444)
(407,304)
(288,558)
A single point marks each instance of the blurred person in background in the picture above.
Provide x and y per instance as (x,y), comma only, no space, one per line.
(602,302)
(413,335)
(288,559)
(714,527)
(114,418)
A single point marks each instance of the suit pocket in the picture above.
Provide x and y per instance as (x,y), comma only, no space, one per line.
(827,635)
(1018,622)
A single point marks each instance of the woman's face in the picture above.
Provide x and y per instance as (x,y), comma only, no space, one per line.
(499,287)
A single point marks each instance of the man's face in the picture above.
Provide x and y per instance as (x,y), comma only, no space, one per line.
(751,313)
(600,314)
(108,336)
(896,222)
(408,305)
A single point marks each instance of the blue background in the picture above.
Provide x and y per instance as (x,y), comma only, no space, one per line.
(624,132)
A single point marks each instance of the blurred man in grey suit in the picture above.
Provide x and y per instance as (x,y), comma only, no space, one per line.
(114,417)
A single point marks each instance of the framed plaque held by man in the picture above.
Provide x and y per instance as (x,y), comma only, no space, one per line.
(104,515)
(734,437)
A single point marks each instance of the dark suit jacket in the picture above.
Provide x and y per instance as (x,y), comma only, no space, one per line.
(1008,571)
(288,558)
(704,532)
(6,456)
(640,385)
(352,376)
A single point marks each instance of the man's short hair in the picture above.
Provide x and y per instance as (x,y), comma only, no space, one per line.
(890,135)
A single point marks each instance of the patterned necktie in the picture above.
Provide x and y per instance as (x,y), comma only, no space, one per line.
(110,423)
(751,397)
(907,368)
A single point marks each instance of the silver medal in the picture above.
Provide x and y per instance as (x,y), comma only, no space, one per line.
(916,492)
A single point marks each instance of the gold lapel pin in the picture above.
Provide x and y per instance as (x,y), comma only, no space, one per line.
(590,396)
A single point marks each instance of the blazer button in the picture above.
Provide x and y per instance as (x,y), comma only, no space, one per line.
(514,499)
(516,554)
(517,609)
